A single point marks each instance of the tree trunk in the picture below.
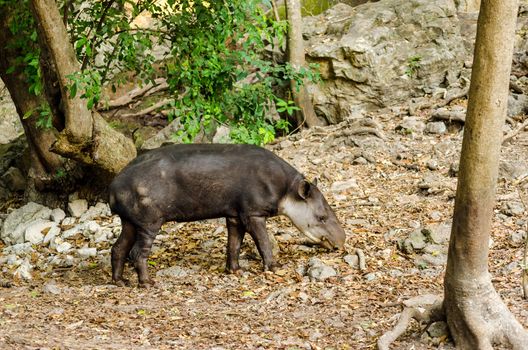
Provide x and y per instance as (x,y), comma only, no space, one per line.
(306,114)
(476,315)
(86,137)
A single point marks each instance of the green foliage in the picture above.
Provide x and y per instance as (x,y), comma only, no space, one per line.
(216,65)
(413,65)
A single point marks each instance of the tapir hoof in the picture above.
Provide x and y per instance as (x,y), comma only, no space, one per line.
(120,282)
(146,284)
(237,271)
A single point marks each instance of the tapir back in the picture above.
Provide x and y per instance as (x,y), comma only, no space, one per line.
(201,181)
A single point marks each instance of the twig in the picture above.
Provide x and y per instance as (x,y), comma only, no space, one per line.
(147,110)
(148,89)
(513,133)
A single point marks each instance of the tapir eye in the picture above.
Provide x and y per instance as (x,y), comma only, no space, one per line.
(322,219)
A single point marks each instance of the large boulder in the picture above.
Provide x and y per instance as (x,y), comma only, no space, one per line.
(19,220)
(382,53)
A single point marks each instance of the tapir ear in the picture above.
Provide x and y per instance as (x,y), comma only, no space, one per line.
(315,181)
(304,189)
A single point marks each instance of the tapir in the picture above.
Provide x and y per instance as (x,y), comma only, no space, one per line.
(245,184)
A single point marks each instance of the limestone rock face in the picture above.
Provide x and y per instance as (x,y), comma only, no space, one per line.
(382,53)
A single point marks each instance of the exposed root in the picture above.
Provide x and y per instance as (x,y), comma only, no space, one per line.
(148,89)
(517,130)
(451,116)
(426,308)
(148,110)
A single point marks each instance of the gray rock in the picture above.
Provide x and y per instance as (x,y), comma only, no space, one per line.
(51,288)
(517,104)
(352,260)
(371,276)
(416,241)
(436,128)
(57,215)
(18,249)
(86,252)
(164,136)
(24,270)
(63,247)
(77,207)
(53,232)
(440,233)
(512,170)
(432,164)
(68,221)
(173,271)
(321,272)
(411,124)
(222,135)
(382,53)
(518,236)
(340,186)
(512,208)
(18,220)
(100,209)
(33,232)
(438,329)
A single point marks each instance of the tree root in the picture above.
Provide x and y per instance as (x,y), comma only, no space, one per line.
(148,109)
(426,308)
(476,316)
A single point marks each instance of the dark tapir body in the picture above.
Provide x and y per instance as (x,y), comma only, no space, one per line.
(245,184)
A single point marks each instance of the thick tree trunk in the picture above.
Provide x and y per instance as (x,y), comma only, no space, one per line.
(476,316)
(297,60)
(86,137)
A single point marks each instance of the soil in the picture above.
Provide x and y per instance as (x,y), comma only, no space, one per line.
(209,309)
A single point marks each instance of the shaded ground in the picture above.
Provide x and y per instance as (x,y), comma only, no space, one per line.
(207,309)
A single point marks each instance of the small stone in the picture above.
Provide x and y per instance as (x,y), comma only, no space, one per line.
(359,161)
(63,247)
(435,215)
(435,128)
(321,272)
(57,215)
(77,207)
(286,144)
(24,270)
(512,208)
(414,224)
(518,236)
(371,276)
(340,186)
(86,252)
(69,221)
(51,288)
(438,329)
(100,209)
(432,164)
(352,260)
(411,125)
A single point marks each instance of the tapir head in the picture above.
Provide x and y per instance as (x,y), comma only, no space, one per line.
(309,211)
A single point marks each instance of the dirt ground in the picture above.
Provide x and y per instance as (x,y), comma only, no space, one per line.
(208,309)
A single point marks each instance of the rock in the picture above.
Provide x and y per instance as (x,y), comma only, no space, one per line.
(512,208)
(512,170)
(440,233)
(518,237)
(359,161)
(411,125)
(164,136)
(57,215)
(371,276)
(432,164)
(24,270)
(86,252)
(63,247)
(517,104)
(53,232)
(340,186)
(436,128)
(14,179)
(18,220)
(222,135)
(100,209)
(415,241)
(173,271)
(319,271)
(77,207)
(438,329)
(352,260)
(435,215)
(33,232)
(18,249)
(51,288)
(69,221)
(382,53)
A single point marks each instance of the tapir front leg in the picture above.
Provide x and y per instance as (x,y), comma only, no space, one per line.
(256,226)
(235,236)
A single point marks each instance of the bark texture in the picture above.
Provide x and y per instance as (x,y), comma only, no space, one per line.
(476,316)
(85,136)
(297,60)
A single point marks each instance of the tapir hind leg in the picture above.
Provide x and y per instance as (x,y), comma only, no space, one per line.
(121,249)
(140,252)
(256,226)
(235,236)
